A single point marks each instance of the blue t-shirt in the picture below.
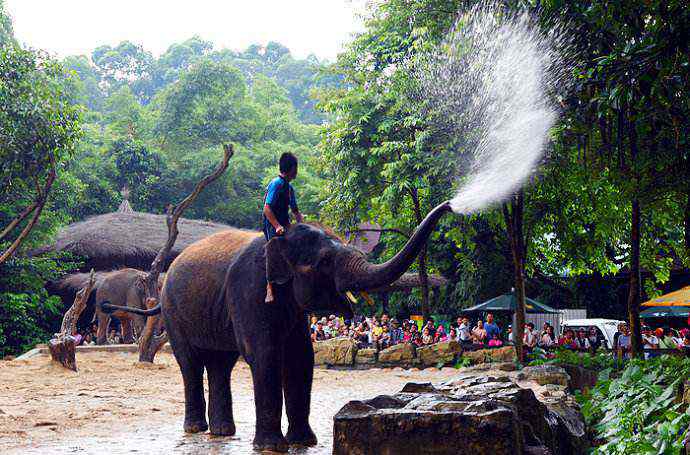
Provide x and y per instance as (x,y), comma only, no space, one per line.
(280,197)
(491,330)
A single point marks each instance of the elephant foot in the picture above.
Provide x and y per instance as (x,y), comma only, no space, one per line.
(223,429)
(198,426)
(302,436)
(271,443)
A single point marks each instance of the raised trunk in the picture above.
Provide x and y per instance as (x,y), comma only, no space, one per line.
(356,274)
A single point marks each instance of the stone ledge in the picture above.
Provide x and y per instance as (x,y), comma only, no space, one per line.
(42,349)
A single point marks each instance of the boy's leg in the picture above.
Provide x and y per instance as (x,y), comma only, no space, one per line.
(269,233)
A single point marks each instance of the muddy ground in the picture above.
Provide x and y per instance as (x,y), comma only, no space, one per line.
(115,405)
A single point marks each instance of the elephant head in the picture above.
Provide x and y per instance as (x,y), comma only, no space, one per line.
(321,269)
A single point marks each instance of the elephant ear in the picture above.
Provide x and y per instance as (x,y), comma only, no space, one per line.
(278,268)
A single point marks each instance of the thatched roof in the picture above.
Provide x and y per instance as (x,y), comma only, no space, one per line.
(126,239)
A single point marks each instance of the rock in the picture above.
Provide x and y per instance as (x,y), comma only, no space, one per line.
(547,374)
(336,351)
(580,378)
(365,356)
(477,412)
(438,353)
(400,354)
(503,354)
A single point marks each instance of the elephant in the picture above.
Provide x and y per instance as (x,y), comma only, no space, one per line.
(213,308)
(123,287)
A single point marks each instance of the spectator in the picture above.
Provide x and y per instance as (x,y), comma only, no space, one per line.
(114,337)
(495,342)
(649,342)
(491,327)
(314,320)
(510,335)
(568,340)
(529,338)
(624,344)
(548,339)
(88,340)
(581,340)
(396,333)
(464,335)
(431,327)
(441,335)
(319,333)
(453,334)
(385,338)
(685,346)
(478,333)
(426,337)
(665,341)
(594,338)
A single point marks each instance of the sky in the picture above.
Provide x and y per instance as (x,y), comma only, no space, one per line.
(69,27)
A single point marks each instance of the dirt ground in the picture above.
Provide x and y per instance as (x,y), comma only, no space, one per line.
(116,405)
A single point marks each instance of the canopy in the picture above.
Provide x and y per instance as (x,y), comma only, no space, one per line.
(508,303)
(666,312)
(679,298)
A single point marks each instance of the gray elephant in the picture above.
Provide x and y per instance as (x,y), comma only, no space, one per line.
(124,287)
(214,309)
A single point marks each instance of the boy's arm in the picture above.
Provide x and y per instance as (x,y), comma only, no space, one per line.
(293,205)
(280,230)
(298,216)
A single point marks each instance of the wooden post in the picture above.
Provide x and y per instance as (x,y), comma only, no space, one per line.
(62,347)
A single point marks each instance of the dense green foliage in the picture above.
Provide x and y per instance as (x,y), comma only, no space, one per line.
(599,360)
(122,118)
(639,411)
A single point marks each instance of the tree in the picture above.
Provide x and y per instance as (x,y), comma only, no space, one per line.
(38,130)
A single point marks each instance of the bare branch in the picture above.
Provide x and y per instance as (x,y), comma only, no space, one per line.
(149,342)
(40,203)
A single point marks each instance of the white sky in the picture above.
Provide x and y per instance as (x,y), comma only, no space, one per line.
(70,27)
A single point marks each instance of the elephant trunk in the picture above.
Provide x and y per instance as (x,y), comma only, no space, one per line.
(357,274)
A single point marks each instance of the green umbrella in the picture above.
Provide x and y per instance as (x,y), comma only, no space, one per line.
(508,303)
(666,312)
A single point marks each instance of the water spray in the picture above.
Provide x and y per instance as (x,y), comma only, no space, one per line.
(490,86)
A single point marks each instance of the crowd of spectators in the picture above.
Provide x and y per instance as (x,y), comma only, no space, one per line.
(88,336)
(383,332)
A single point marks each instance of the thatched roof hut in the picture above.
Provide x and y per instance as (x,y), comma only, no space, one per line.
(126,239)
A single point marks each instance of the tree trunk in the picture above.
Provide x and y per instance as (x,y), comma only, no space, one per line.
(62,347)
(635,285)
(423,274)
(514,225)
(634,291)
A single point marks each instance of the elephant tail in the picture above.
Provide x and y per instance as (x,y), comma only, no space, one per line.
(109,308)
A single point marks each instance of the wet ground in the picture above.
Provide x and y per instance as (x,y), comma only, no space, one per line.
(116,406)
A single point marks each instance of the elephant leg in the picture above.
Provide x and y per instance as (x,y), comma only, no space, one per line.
(126,331)
(298,372)
(102,331)
(268,399)
(219,365)
(194,403)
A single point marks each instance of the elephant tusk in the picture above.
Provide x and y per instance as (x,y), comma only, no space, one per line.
(350,297)
(367,298)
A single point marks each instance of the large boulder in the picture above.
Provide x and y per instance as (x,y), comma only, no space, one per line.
(400,354)
(546,374)
(480,411)
(365,356)
(503,354)
(438,353)
(335,352)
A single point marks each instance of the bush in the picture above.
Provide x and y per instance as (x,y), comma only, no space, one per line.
(28,315)
(638,412)
(600,360)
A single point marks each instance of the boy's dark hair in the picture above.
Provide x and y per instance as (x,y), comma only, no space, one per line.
(287,162)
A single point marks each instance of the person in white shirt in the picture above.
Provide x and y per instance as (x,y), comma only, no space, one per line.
(650,342)
(464,335)
(529,338)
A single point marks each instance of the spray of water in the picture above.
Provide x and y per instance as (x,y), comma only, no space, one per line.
(490,85)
